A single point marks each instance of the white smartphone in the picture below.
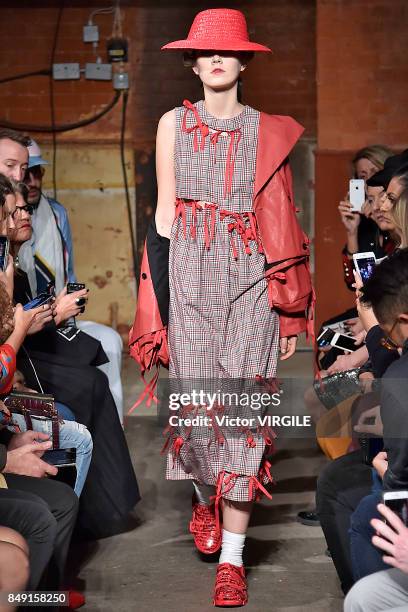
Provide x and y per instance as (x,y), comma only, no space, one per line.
(397,501)
(357,194)
(343,342)
(365,264)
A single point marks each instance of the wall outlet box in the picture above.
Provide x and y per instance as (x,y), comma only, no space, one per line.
(120,80)
(61,72)
(98,72)
(90,33)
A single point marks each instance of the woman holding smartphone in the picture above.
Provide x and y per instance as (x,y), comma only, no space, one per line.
(225,202)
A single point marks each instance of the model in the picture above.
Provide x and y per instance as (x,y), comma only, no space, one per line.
(239,283)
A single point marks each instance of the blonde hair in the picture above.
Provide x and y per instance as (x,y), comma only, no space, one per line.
(376,154)
(400,215)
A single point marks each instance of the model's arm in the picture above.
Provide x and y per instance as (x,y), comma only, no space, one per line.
(166,180)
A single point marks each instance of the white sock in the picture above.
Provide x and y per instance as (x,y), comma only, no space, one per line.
(232,547)
(203,492)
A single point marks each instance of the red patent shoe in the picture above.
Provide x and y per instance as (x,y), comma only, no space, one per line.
(203,525)
(75,600)
(230,586)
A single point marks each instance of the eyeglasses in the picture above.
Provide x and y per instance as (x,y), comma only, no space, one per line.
(28,208)
(388,342)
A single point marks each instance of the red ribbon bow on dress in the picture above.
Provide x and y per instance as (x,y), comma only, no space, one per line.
(234,136)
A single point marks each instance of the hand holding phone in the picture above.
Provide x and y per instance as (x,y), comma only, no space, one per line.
(357,194)
(397,501)
(66,305)
(365,264)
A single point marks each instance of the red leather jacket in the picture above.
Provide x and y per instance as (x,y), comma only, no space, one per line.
(285,245)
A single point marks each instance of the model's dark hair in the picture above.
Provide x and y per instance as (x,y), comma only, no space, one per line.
(386,291)
(17,137)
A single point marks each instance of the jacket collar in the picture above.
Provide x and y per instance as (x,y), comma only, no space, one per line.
(276,138)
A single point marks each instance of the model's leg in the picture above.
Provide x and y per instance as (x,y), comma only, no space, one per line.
(230,583)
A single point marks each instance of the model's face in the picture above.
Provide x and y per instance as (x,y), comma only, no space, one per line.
(22,221)
(365,169)
(13,159)
(33,180)
(218,70)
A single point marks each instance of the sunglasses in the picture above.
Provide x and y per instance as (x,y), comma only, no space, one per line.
(28,208)
(388,342)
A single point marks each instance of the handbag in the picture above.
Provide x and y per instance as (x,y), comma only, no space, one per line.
(31,405)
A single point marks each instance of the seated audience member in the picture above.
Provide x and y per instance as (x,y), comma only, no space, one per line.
(14,564)
(66,369)
(71,435)
(41,510)
(362,233)
(385,298)
(343,483)
(49,256)
(387,590)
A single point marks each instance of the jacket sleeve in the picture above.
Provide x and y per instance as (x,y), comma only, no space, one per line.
(7,367)
(290,288)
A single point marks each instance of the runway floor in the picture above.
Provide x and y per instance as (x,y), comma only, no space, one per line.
(156,568)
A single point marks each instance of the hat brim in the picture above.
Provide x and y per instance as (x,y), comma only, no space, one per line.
(381,178)
(202,45)
(37,161)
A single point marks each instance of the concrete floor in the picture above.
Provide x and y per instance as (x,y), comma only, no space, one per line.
(155,567)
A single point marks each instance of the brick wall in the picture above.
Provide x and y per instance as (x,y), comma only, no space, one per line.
(282,83)
(362,99)
(362,73)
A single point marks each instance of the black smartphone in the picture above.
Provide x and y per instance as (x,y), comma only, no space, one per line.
(370,446)
(40,300)
(72,287)
(325,337)
(60,457)
(4,252)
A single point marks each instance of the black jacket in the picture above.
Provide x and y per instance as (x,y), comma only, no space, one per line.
(394,415)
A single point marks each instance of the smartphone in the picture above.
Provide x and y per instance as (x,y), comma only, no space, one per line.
(40,300)
(357,194)
(325,337)
(4,252)
(60,457)
(365,264)
(343,342)
(72,287)
(397,501)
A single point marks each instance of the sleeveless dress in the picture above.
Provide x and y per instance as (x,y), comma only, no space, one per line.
(221,328)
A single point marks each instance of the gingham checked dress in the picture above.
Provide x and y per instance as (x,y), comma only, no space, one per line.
(220,323)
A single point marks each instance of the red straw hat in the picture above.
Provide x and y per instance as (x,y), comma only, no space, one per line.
(218,30)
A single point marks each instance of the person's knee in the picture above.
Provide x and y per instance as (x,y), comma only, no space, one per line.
(13,537)
(14,567)
(357,597)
